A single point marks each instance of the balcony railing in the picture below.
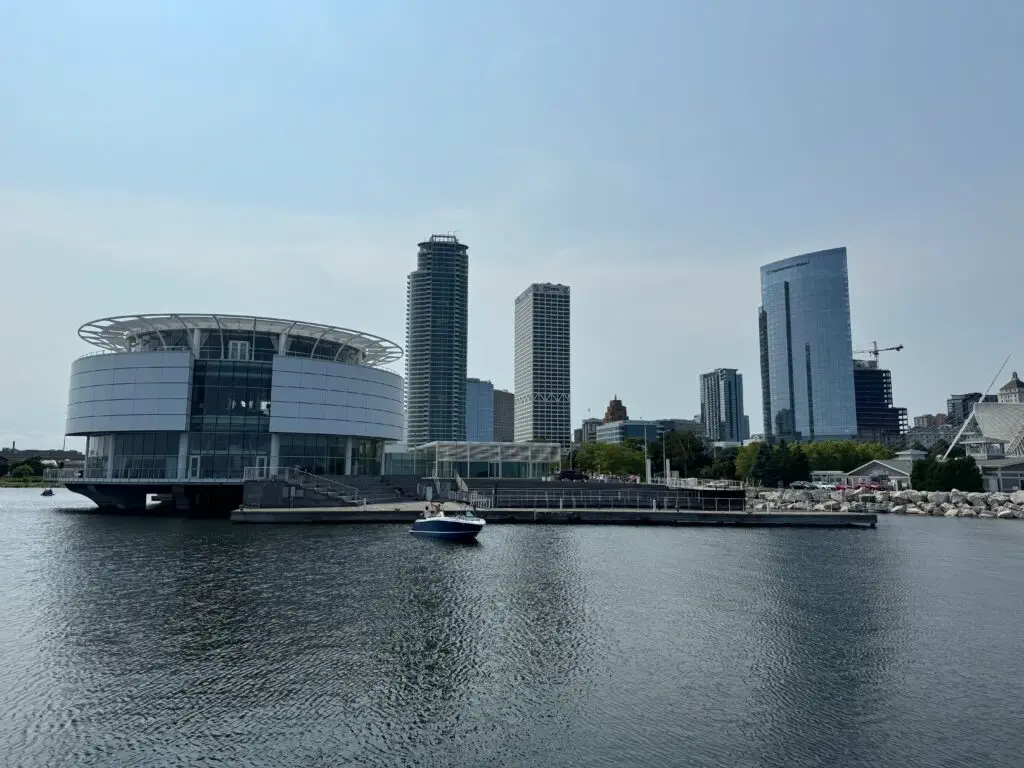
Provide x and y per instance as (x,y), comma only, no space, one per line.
(699,483)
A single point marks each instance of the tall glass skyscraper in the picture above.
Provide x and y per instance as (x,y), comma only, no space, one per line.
(436,326)
(721,405)
(806,349)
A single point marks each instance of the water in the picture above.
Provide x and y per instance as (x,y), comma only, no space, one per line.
(162,642)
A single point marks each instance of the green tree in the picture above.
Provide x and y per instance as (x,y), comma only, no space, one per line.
(5,466)
(793,464)
(745,460)
(22,470)
(765,471)
(722,466)
(933,474)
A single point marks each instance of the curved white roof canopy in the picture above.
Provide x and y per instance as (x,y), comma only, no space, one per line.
(124,333)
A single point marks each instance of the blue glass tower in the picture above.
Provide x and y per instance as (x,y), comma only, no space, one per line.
(806,348)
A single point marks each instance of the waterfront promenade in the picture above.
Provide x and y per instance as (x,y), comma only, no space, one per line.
(407,512)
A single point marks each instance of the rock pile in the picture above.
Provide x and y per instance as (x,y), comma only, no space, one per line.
(936,503)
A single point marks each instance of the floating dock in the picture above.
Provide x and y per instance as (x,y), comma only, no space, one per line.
(404,513)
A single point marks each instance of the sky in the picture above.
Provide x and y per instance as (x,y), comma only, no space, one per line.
(285,158)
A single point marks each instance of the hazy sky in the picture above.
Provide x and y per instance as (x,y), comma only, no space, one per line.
(284,158)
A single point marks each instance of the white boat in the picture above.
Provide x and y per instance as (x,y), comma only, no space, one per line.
(437,523)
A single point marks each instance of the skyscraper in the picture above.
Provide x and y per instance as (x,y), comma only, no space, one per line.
(542,365)
(504,416)
(806,349)
(721,405)
(877,420)
(435,351)
(479,411)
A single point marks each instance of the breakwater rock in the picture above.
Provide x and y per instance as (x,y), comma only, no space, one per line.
(1002,506)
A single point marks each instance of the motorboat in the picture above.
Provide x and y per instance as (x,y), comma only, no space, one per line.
(438,523)
(47,492)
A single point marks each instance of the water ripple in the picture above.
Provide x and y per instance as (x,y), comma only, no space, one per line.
(133,642)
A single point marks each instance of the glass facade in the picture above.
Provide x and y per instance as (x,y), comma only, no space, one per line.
(806,348)
(132,455)
(229,428)
(326,454)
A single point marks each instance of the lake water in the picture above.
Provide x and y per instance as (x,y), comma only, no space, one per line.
(164,642)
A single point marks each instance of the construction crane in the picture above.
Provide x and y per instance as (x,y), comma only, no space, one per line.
(874,350)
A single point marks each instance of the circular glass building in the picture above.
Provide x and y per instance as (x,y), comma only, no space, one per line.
(183,401)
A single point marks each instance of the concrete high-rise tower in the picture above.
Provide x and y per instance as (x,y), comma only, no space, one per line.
(806,349)
(435,352)
(721,405)
(542,386)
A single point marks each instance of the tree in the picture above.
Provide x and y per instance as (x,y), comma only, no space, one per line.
(765,471)
(794,465)
(745,460)
(610,459)
(933,474)
(722,466)
(5,466)
(22,470)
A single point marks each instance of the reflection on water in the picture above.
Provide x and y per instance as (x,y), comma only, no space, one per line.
(163,642)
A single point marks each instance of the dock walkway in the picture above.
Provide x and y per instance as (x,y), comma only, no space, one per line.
(408,512)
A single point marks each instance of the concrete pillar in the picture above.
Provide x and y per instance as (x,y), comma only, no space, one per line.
(348,455)
(197,340)
(110,457)
(182,455)
(275,453)
(282,343)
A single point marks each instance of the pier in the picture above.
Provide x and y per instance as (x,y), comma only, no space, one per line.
(408,512)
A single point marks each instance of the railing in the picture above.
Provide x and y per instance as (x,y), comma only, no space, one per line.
(639,500)
(473,498)
(703,484)
(135,476)
(306,480)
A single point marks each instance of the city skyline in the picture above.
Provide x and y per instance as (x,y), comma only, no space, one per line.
(241,179)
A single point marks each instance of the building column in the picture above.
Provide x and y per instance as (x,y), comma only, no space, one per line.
(182,455)
(348,455)
(110,458)
(275,453)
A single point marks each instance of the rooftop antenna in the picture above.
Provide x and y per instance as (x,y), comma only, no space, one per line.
(974,409)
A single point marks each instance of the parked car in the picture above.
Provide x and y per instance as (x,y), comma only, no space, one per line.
(801,485)
(571,475)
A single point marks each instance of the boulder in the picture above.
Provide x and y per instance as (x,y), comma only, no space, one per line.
(819,508)
(951,512)
(986,513)
(938,497)
(998,500)
(1017,498)
(967,512)
(837,496)
(929,509)
(832,506)
(977,499)
(1006,514)
(915,511)
(897,509)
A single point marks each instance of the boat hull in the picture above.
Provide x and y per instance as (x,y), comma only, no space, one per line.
(446,529)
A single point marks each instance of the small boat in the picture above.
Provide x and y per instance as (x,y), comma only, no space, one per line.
(435,523)
(47,492)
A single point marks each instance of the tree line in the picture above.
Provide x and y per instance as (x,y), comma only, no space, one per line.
(30,467)
(763,463)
